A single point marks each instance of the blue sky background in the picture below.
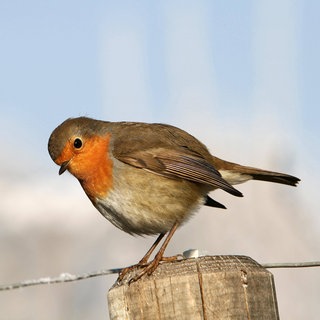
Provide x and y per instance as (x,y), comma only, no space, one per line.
(125,60)
(242,76)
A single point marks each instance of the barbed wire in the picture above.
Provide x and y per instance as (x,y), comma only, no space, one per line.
(63,277)
(67,277)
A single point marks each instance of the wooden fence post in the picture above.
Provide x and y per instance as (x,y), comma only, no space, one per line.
(210,287)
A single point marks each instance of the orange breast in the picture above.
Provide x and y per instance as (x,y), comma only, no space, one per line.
(93,167)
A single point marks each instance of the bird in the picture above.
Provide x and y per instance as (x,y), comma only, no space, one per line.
(147,178)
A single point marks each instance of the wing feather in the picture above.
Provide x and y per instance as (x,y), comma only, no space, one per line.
(177,164)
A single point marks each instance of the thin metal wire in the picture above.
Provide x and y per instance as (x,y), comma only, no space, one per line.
(63,277)
(291,264)
(67,277)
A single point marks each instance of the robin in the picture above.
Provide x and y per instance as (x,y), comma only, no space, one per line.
(147,179)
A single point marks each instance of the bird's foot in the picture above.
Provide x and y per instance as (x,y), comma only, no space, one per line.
(131,269)
(148,267)
(141,268)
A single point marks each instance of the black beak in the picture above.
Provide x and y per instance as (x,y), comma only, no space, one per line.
(63,167)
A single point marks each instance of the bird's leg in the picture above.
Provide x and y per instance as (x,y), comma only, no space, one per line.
(158,257)
(143,261)
(146,257)
(151,266)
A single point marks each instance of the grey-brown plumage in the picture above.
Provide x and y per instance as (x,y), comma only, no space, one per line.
(147,178)
(168,166)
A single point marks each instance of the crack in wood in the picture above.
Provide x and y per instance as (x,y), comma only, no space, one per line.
(201,290)
(244,281)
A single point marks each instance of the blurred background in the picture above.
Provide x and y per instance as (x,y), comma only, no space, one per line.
(242,76)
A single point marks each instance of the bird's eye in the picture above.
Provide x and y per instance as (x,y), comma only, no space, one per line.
(77,143)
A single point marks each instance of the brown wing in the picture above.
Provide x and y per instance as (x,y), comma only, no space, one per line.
(178,164)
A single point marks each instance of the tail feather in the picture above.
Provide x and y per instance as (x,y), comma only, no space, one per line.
(275,177)
(235,173)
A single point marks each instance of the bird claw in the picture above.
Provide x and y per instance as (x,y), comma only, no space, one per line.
(127,270)
(147,268)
